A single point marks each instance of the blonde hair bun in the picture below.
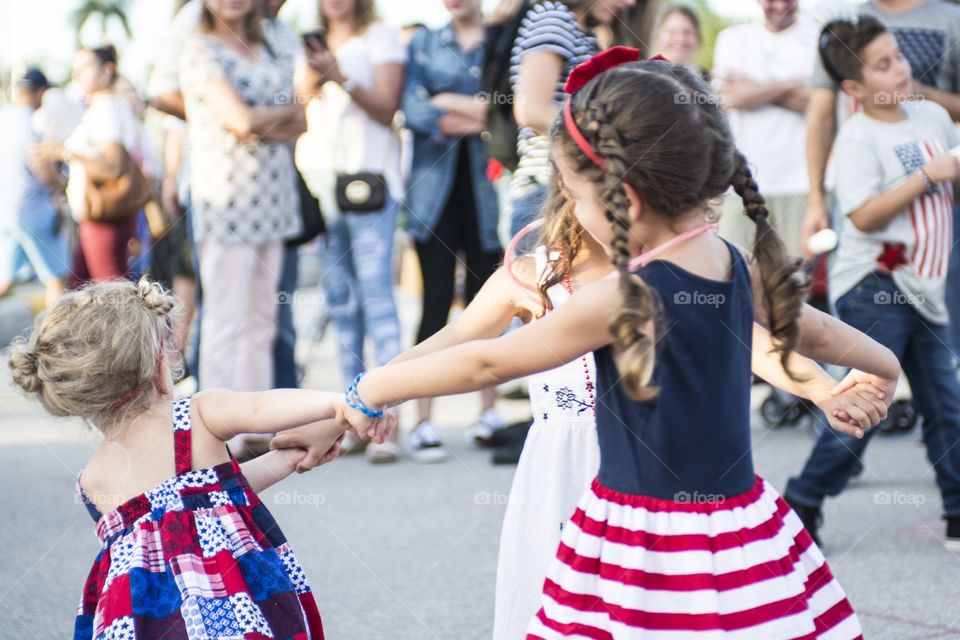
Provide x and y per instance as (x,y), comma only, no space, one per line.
(24,367)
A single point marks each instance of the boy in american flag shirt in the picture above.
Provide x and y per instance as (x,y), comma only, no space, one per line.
(895,183)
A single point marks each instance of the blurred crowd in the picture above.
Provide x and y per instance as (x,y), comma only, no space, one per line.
(252,146)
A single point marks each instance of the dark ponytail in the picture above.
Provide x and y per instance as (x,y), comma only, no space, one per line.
(782,281)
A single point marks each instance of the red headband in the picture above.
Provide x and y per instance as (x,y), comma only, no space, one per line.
(133,393)
(584,73)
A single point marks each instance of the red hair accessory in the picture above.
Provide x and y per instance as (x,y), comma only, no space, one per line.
(584,73)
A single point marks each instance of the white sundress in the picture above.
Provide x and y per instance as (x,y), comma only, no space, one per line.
(559,460)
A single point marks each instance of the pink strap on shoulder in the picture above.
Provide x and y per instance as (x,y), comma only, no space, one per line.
(532,292)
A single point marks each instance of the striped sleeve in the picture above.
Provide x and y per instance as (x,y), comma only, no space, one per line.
(548,27)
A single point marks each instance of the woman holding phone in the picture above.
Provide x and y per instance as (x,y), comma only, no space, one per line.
(350,159)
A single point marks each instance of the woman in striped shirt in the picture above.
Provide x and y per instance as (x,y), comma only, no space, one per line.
(554,37)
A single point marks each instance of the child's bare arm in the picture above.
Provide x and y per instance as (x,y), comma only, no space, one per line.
(575,328)
(858,409)
(272,467)
(878,211)
(487,316)
(229,413)
(827,339)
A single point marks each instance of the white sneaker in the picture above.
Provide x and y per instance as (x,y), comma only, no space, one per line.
(425,445)
(481,432)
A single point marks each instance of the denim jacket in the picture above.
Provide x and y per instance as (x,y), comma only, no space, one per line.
(436,64)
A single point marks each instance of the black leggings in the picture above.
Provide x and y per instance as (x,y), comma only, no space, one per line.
(457,230)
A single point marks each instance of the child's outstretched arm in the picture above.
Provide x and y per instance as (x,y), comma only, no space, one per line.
(856,409)
(230,413)
(827,339)
(487,316)
(270,468)
(575,328)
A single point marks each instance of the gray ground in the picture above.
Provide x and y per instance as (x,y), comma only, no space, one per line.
(409,552)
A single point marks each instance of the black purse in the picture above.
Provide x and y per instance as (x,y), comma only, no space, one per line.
(313,222)
(361,192)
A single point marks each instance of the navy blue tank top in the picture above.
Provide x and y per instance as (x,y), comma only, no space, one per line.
(691,442)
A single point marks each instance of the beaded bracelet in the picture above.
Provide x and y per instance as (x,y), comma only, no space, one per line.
(352,398)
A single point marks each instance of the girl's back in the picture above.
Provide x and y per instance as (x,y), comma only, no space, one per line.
(693,437)
(196,556)
(187,548)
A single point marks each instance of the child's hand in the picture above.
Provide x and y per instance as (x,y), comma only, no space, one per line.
(320,440)
(855,410)
(293,457)
(943,167)
(885,388)
(374,429)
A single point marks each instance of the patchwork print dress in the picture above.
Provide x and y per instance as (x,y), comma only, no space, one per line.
(199,557)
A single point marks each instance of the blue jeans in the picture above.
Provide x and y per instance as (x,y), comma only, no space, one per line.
(357,281)
(284,345)
(877,308)
(953,285)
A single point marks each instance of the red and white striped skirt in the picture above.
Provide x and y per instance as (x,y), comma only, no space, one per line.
(636,567)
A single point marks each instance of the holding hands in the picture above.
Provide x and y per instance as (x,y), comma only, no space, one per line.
(321,440)
(858,402)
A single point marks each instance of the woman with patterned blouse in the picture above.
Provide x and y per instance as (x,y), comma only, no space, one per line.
(241,117)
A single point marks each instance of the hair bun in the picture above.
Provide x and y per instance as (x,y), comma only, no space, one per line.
(154,297)
(24,367)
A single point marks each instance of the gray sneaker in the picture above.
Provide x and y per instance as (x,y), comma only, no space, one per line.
(481,432)
(425,445)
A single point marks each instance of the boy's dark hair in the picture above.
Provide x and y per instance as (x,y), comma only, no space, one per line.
(660,129)
(842,43)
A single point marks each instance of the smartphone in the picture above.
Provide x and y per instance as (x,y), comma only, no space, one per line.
(315,40)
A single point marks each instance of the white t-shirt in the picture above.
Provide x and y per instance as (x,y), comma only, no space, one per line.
(872,157)
(341,137)
(771,137)
(107,119)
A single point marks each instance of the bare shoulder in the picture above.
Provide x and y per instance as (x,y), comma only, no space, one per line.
(206,416)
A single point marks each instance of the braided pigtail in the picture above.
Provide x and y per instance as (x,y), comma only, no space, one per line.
(633,321)
(783,283)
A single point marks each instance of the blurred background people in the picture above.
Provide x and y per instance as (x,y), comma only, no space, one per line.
(350,159)
(30,224)
(452,205)
(237,88)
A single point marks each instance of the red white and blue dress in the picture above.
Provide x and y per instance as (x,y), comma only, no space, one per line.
(199,557)
(678,538)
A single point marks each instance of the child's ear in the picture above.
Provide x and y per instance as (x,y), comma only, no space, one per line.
(637,205)
(163,381)
(853,89)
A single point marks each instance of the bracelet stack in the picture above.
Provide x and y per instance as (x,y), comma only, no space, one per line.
(352,397)
(929,186)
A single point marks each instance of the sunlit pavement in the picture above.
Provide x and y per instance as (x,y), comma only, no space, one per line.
(406,551)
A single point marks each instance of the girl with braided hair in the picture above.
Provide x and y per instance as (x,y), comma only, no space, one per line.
(187,548)
(677,536)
